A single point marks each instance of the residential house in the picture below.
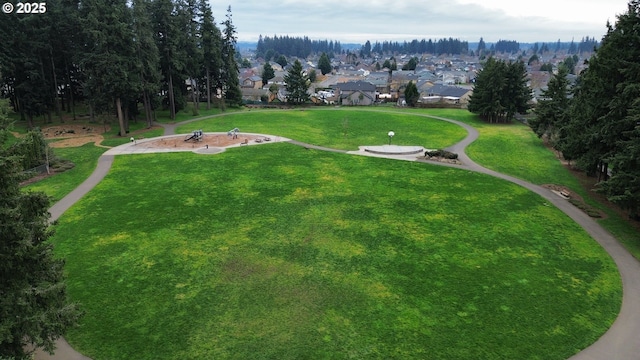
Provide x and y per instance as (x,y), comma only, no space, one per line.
(356,93)
(252,82)
(447,94)
(381,81)
(251,95)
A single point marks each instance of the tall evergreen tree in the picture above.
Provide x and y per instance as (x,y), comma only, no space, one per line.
(267,73)
(297,84)
(281,60)
(553,108)
(108,58)
(28,76)
(324,64)
(366,49)
(169,38)
(187,16)
(210,43)
(64,38)
(147,57)
(411,94)
(34,308)
(516,93)
(482,47)
(603,132)
(500,91)
(230,72)
(486,98)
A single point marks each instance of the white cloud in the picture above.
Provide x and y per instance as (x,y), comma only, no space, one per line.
(358,21)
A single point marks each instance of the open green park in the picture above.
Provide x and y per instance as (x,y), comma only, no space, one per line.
(282,252)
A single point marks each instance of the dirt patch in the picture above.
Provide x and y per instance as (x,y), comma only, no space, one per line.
(77,141)
(213,140)
(588,183)
(577,201)
(65,131)
(73,135)
(441,160)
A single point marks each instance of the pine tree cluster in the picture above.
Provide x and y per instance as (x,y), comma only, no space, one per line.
(116,55)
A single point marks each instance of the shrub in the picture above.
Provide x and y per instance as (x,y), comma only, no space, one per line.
(442,153)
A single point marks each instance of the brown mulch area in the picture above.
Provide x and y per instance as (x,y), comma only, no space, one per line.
(73,135)
(213,140)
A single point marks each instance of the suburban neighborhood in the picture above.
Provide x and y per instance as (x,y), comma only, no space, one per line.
(441,80)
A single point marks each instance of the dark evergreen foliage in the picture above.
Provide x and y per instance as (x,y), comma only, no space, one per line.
(411,94)
(231,89)
(300,47)
(501,91)
(411,64)
(267,73)
(507,46)
(297,84)
(603,134)
(438,47)
(482,46)
(282,60)
(324,64)
(211,45)
(553,108)
(114,54)
(34,308)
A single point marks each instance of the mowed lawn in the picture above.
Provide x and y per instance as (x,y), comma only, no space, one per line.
(84,158)
(278,252)
(342,128)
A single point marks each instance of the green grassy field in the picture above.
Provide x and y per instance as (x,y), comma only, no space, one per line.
(85,159)
(280,252)
(515,150)
(188,114)
(344,129)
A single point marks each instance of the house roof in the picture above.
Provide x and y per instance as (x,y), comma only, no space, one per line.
(364,94)
(254,78)
(356,86)
(453,91)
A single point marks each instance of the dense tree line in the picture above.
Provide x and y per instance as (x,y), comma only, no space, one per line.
(116,55)
(507,46)
(269,48)
(587,44)
(34,308)
(500,91)
(443,46)
(598,127)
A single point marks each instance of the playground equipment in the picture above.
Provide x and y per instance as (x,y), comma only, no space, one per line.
(234,132)
(196,135)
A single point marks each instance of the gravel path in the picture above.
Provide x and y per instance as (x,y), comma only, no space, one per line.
(620,342)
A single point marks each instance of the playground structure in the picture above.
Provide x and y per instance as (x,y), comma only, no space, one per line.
(196,135)
(234,133)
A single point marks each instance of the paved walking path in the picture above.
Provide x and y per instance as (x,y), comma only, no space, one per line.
(620,342)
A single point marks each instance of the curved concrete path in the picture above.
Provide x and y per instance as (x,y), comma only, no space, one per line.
(620,342)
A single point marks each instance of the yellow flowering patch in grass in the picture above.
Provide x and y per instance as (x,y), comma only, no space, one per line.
(376,264)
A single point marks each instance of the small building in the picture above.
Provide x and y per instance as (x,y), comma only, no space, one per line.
(356,93)
(448,94)
(252,82)
(251,95)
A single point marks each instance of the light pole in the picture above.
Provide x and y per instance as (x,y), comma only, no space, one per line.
(391,133)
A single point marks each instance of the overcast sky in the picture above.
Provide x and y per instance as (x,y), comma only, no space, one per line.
(351,21)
